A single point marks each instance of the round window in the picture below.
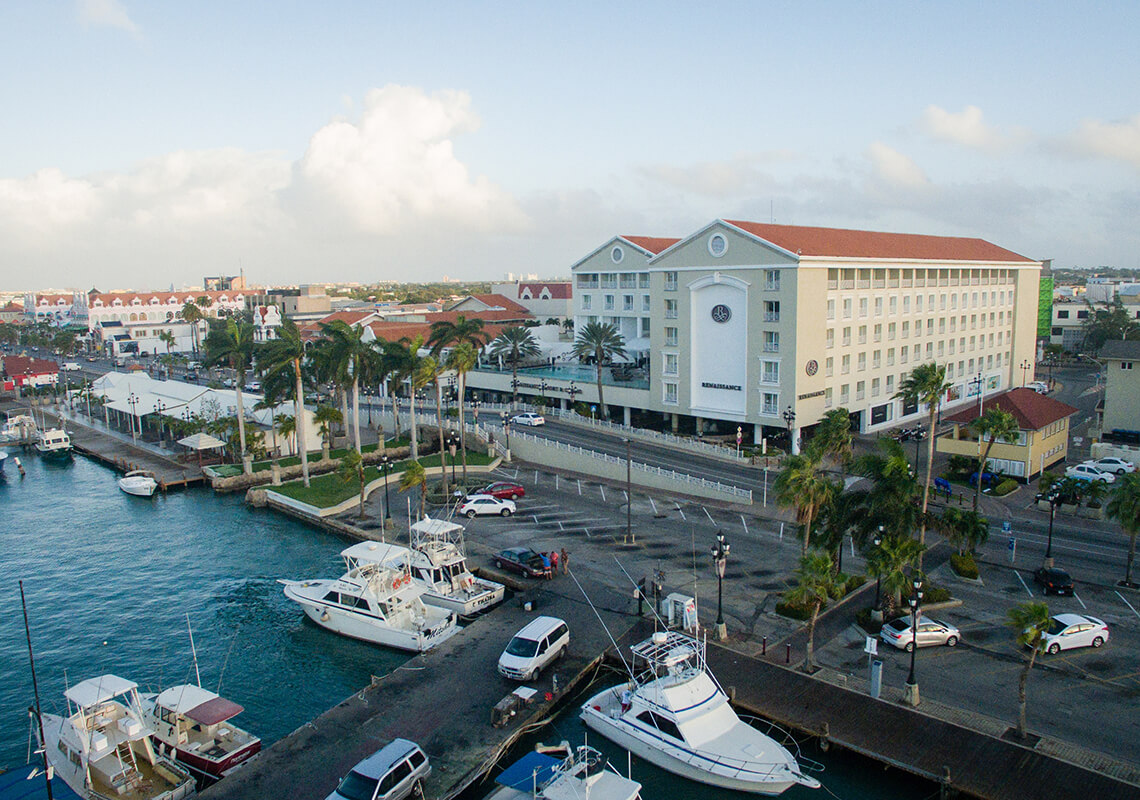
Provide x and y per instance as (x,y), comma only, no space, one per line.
(718,245)
(617,254)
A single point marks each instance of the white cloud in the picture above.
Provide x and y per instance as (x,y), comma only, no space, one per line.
(895,169)
(740,175)
(1118,141)
(106,13)
(966,127)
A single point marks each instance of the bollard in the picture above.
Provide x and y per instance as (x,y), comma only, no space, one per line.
(764,646)
(788,655)
(876,678)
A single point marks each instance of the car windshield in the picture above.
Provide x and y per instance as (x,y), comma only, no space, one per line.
(522,647)
(357,787)
(1056,626)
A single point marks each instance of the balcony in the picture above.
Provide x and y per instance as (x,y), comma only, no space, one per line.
(670,313)
(771,347)
(771,316)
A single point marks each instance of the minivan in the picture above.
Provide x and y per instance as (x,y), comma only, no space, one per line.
(392,773)
(540,642)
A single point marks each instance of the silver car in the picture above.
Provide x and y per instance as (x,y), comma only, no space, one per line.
(930,632)
(392,773)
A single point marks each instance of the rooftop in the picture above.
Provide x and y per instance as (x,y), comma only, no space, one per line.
(1119,348)
(1032,411)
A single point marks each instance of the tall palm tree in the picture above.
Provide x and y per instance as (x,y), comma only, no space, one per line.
(833,438)
(815,581)
(462,360)
(926,384)
(167,338)
(892,562)
(1124,507)
(352,469)
(407,367)
(353,358)
(434,369)
(892,503)
(285,425)
(802,485)
(279,357)
(993,424)
(1029,621)
(602,342)
(445,333)
(233,344)
(192,313)
(514,345)
(966,530)
(415,476)
(326,416)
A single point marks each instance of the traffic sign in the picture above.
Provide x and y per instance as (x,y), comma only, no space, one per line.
(1006,526)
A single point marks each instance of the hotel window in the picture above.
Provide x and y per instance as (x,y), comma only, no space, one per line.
(670,393)
(890,331)
(862,334)
(902,355)
(646,303)
(827,402)
(771,403)
(876,358)
(890,357)
(644,327)
(860,390)
(973,343)
(918,304)
(930,327)
(930,349)
(845,365)
(847,308)
(670,281)
(890,384)
(609,280)
(893,305)
(953,324)
(952,343)
(643,280)
(608,302)
(771,342)
(670,309)
(1126,365)
(862,306)
(878,332)
(828,367)
(670,367)
(878,306)
(627,302)
(862,362)
(942,326)
(829,337)
(844,394)
(670,337)
(950,369)
(772,280)
(771,310)
(874,387)
(771,372)
(906,304)
(629,280)
(906,330)
(941,348)
(831,309)
(846,336)
(953,302)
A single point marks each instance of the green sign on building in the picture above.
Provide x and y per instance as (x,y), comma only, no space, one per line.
(1045,306)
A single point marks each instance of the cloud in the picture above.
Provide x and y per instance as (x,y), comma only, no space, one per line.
(741,175)
(894,169)
(1117,141)
(965,127)
(106,13)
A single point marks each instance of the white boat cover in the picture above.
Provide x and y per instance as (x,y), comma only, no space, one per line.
(181,699)
(435,527)
(94,691)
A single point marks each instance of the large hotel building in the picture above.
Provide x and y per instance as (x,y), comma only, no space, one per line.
(767,327)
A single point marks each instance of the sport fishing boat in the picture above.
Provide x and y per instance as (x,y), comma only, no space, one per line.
(54,443)
(193,725)
(374,602)
(102,749)
(140,483)
(674,714)
(581,773)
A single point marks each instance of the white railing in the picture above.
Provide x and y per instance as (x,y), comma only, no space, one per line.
(709,448)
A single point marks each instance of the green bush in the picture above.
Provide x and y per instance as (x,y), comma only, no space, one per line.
(853,583)
(864,621)
(935,594)
(960,467)
(792,611)
(1005,487)
(964,565)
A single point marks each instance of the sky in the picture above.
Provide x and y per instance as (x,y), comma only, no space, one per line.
(145,144)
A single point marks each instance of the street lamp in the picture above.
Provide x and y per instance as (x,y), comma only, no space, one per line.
(1025,367)
(628,491)
(133,402)
(452,443)
(506,428)
(790,420)
(876,612)
(385,461)
(911,695)
(159,407)
(1054,497)
(720,558)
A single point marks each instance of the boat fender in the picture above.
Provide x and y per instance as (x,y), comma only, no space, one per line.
(825,738)
(325,615)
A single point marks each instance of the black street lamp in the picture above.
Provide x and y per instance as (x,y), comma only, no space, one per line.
(506,428)
(790,420)
(159,407)
(911,696)
(720,558)
(628,491)
(133,402)
(878,541)
(452,443)
(1054,498)
(385,461)
(1025,367)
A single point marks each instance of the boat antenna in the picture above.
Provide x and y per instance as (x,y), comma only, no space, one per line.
(641,593)
(193,652)
(36,692)
(602,622)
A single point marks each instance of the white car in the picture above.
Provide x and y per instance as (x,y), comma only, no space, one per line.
(1112,464)
(70,366)
(1088,472)
(528,418)
(1038,386)
(1067,631)
(900,634)
(482,504)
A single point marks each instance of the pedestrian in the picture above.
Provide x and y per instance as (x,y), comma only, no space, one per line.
(545,565)
(565,560)
(626,700)
(554,562)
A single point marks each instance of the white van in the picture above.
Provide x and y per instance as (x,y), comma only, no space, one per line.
(540,642)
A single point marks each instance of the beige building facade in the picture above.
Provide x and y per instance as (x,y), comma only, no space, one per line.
(1120,410)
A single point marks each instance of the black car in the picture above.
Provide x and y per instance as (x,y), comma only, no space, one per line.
(1053,581)
(522,560)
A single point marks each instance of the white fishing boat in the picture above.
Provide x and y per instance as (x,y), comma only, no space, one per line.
(3,458)
(102,748)
(581,773)
(17,428)
(674,714)
(54,443)
(140,483)
(374,602)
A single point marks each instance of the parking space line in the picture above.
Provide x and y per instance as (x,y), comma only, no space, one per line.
(603,488)
(1023,583)
(682,513)
(587,530)
(653,504)
(579,488)
(1122,597)
(536,477)
(1079,600)
(744,522)
(707,514)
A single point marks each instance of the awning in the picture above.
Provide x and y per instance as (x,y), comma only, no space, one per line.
(201,441)
(214,711)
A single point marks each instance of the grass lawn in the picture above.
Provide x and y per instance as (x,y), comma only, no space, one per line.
(233,470)
(328,490)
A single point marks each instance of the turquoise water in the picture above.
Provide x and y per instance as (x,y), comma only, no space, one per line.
(110,578)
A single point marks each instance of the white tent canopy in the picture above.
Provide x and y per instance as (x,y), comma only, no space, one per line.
(201,441)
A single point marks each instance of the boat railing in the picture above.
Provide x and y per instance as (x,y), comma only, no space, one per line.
(785,740)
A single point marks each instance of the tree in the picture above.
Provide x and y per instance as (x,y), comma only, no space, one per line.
(815,582)
(462,359)
(445,334)
(233,344)
(279,357)
(893,502)
(434,370)
(993,424)
(167,338)
(192,313)
(353,359)
(601,341)
(833,438)
(891,562)
(1110,321)
(802,485)
(286,426)
(352,468)
(1124,507)
(514,345)
(966,530)
(326,416)
(925,384)
(64,342)
(1029,621)
(415,476)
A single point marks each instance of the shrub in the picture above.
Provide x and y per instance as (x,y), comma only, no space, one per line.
(963,564)
(853,583)
(959,466)
(1005,487)
(785,609)
(935,594)
(864,621)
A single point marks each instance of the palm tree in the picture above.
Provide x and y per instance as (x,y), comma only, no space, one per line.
(602,342)
(925,384)
(352,468)
(192,313)
(284,425)
(446,333)
(966,530)
(892,503)
(1124,507)
(514,345)
(415,476)
(803,485)
(833,438)
(815,582)
(351,357)
(233,344)
(167,338)
(462,360)
(278,357)
(992,425)
(1029,621)
(434,369)
(326,416)
(891,562)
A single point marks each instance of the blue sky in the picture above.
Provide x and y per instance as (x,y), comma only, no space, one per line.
(150,143)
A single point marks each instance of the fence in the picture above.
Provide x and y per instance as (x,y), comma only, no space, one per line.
(681,442)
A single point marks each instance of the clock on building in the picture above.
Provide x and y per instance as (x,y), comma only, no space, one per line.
(721,313)
(811,367)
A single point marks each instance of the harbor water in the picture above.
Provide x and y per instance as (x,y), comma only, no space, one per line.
(110,579)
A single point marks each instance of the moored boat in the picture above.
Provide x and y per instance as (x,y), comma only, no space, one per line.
(581,773)
(54,443)
(140,483)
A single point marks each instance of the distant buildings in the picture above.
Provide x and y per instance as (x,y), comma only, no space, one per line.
(545,300)
(18,371)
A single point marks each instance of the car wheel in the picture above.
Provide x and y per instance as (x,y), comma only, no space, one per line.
(952,641)
(498,564)
(471,514)
(1054,649)
(515,496)
(418,789)
(506,512)
(1097,642)
(908,647)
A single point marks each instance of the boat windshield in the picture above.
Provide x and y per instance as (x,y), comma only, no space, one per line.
(357,787)
(522,647)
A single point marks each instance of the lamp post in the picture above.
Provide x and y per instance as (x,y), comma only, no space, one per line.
(133,402)
(911,697)
(790,420)
(159,407)
(452,442)
(1054,498)
(720,558)
(1025,367)
(876,612)
(385,462)
(628,491)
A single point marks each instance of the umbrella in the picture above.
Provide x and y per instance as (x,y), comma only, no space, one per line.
(200,442)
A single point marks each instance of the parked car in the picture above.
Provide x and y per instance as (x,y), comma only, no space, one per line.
(91,359)
(394,772)
(930,632)
(1054,581)
(191,376)
(502,489)
(522,560)
(541,641)
(69,366)
(1038,386)
(1067,631)
(483,504)
(528,418)
(1087,472)
(252,386)
(1117,466)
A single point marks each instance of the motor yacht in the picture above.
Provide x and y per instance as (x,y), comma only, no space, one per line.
(674,714)
(139,483)
(374,602)
(17,428)
(54,443)
(194,726)
(581,773)
(102,748)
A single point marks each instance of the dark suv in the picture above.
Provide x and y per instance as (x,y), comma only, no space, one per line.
(1053,581)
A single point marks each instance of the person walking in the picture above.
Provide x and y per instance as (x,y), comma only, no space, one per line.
(565,561)
(554,562)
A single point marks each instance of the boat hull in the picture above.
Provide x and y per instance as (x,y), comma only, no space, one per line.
(138,488)
(209,771)
(60,453)
(467,605)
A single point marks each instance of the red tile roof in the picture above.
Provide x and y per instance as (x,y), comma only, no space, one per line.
(499,300)
(654,244)
(25,365)
(558,291)
(180,298)
(1032,411)
(394,331)
(349,317)
(12,308)
(487,316)
(838,242)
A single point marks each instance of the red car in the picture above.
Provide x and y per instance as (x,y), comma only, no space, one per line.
(503,490)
